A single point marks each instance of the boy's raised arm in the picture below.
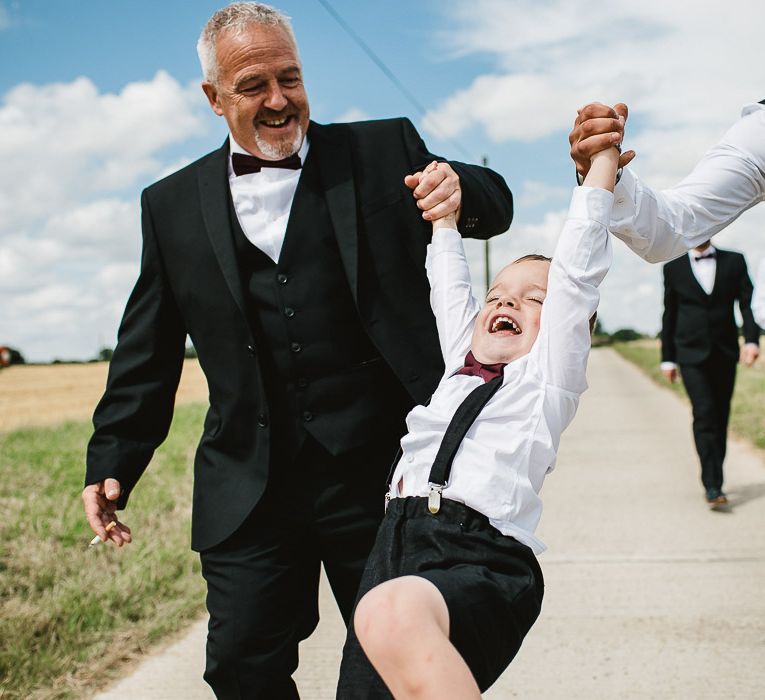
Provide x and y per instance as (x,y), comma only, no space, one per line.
(602,171)
(451,298)
(581,260)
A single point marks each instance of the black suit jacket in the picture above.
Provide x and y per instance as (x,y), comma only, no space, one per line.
(189,284)
(696,324)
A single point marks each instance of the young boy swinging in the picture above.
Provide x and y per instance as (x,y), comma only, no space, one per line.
(452,585)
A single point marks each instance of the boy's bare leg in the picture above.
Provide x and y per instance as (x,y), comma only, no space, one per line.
(403,627)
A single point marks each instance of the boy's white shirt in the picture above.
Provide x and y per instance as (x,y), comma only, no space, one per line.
(500,466)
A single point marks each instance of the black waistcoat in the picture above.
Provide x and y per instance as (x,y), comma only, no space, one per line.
(322,373)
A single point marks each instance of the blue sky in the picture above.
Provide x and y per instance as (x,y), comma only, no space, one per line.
(97,100)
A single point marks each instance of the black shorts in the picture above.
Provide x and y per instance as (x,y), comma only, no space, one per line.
(492,585)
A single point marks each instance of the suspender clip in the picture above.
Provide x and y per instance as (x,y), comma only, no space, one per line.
(434,497)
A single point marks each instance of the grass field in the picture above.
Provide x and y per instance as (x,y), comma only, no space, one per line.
(37,395)
(748,407)
(71,617)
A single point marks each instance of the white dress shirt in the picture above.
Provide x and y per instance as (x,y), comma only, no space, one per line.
(758,297)
(501,464)
(263,201)
(705,269)
(728,180)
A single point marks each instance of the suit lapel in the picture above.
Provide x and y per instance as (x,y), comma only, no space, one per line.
(333,157)
(214,196)
(722,266)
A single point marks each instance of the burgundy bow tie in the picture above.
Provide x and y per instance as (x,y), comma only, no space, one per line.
(477,369)
(704,256)
(244,164)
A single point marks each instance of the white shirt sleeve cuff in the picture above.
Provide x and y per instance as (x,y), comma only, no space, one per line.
(667,366)
(624,190)
(446,240)
(591,203)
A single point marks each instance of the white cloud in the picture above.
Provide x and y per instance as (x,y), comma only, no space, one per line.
(173,166)
(534,193)
(5,19)
(354,114)
(508,107)
(73,161)
(684,71)
(99,229)
(67,142)
(676,66)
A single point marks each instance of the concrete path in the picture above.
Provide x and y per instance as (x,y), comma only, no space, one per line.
(648,593)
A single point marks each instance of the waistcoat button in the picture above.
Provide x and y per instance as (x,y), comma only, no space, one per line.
(296,347)
(308,416)
(289,312)
(262,421)
(282,278)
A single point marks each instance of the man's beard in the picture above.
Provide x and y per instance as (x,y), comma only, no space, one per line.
(281,150)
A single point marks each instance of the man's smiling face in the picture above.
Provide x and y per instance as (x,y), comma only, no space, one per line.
(508,324)
(260,91)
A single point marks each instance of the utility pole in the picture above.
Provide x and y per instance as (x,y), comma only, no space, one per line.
(486,266)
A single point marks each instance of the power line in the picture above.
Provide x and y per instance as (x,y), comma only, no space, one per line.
(389,74)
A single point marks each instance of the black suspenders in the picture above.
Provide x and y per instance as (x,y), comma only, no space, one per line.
(460,423)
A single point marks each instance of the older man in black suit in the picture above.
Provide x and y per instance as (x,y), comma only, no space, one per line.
(293,257)
(699,334)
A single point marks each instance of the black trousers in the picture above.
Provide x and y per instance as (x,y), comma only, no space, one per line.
(262,582)
(710,388)
(491,583)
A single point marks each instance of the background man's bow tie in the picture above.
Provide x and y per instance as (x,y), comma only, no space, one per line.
(244,164)
(704,256)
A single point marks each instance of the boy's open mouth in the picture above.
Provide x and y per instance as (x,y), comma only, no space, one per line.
(504,324)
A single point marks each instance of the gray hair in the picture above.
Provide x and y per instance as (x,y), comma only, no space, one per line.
(236,18)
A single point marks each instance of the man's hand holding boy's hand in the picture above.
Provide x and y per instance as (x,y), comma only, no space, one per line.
(596,128)
(436,190)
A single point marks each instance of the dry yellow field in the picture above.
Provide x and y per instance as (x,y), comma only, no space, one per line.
(38,395)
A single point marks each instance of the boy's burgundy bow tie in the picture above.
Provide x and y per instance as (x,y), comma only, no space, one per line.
(477,369)
(244,164)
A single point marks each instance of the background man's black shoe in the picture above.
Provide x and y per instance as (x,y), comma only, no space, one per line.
(715,498)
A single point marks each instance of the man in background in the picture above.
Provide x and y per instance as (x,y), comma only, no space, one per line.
(699,335)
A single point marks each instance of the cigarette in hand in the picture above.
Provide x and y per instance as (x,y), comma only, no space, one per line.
(97,540)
